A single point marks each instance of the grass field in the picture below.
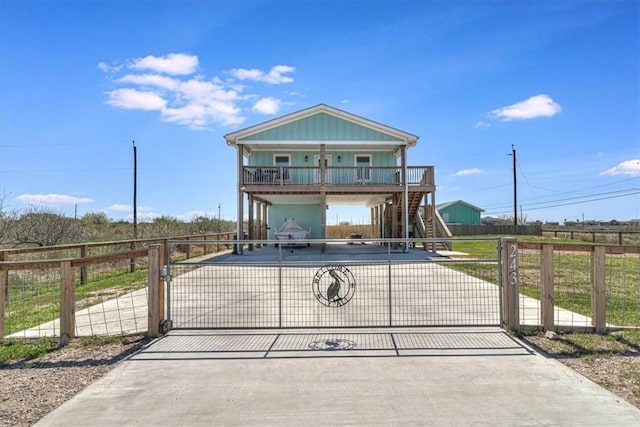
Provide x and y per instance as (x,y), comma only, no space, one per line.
(572,277)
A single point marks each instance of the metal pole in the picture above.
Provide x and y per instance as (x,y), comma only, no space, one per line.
(515,187)
(135,191)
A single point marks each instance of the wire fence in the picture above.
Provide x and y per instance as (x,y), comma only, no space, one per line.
(560,287)
(579,279)
(374,292)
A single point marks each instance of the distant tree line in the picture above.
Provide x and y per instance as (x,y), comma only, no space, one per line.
(37,226)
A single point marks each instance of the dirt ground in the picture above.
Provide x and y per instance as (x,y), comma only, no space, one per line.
(31,389)
(613,360)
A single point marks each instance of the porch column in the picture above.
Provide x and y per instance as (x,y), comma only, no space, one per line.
(251,223)
(425,216)
(323,219)
(405,199)
(265,226)
(383,222)
(394,218)
(258,221)
(240,228)
(372,221)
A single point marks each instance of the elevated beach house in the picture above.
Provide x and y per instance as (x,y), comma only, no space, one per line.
(297,165)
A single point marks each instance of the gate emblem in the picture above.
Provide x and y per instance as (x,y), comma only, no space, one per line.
(334,285)
(332,344)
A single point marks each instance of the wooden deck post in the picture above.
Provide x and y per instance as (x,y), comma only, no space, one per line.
(154,319)
(598,290)
(547,290)
(510,284)
(67,303)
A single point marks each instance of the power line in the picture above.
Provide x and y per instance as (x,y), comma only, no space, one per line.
(584,197)
(574,203)
(584,201)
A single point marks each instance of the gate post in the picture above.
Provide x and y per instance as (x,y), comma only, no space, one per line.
(547,291)
(510,284)
(153,303)
(598,290)
(67,303)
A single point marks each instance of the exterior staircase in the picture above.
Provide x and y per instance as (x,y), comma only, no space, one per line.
(431,228)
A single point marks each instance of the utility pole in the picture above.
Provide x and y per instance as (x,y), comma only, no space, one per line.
(515,187)
(135,191)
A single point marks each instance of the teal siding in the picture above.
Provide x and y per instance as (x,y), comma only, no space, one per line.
(460,214)
(305,215)
(347,158)
(321,127)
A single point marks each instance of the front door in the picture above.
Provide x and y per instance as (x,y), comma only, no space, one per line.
(327,165)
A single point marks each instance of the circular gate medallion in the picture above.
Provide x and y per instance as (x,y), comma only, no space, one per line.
(332,344)
(334,285)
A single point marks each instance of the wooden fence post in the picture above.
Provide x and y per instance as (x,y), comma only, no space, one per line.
(4,285)
(153,303)
(132,261)
(510,284)
(598,290)
(161,293)
(67,303)
(83,268)
(546,285)
(5,276)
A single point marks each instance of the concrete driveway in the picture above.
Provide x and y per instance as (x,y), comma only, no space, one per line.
(434,377)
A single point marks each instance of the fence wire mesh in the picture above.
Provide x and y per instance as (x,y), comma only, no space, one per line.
(622,284)
(110,299)
(332,294)
(573,288)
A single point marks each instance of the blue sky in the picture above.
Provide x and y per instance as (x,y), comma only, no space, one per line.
(80,80)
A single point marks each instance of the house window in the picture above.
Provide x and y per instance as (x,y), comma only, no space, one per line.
(282,161)
(363,164)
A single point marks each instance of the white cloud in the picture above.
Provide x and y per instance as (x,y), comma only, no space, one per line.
(267,106)
(162,82)
(120,208)
(482,124)
(103,66)
(133,99)
(273,76)
(173,63)
(344,101)
(51,199)
(192,101)
(466,172)
(628,167)
(534,107)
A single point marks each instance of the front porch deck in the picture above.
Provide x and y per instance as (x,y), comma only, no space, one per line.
(357,179)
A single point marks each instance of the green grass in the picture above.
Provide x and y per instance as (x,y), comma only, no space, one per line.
(35,299)
(16,350)
(572,277)
(12,350)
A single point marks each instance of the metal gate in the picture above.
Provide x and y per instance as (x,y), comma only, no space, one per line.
(329,284)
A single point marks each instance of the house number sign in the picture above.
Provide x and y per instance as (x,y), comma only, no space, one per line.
(513,265)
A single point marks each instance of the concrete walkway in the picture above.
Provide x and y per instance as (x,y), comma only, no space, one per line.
(439,377)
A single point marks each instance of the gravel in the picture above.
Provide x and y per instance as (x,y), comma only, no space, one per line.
(29,390)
